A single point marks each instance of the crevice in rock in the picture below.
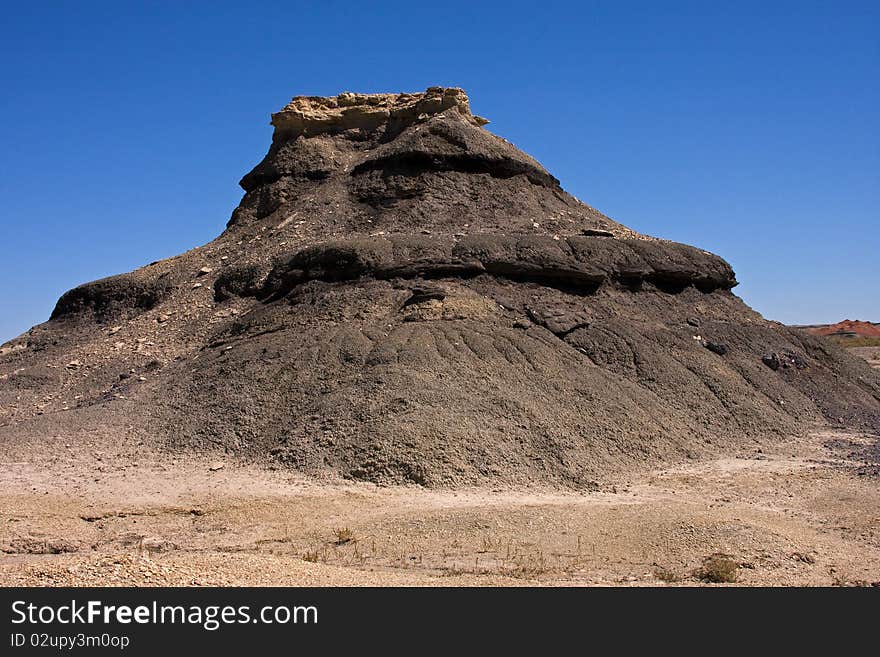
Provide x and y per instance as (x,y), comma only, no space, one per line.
(416,163)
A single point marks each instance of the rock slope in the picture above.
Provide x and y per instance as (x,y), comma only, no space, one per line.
(402,296)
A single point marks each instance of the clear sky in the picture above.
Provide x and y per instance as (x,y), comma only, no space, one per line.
(746,128)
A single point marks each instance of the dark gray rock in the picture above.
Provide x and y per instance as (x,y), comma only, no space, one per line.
(716,347)
(116,297)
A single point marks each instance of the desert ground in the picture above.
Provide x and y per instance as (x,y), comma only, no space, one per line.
(804,512)
(870,354)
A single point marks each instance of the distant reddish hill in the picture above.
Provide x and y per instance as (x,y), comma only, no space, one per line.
(855,328)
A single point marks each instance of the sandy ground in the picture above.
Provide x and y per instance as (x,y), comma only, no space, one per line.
(870,354)
(805,513)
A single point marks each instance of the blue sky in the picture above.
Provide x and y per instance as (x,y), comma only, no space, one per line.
(746,128)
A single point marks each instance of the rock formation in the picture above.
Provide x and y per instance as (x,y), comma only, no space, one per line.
(847,328)
(402,296)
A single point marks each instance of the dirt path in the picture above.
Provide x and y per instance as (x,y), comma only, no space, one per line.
(807,513)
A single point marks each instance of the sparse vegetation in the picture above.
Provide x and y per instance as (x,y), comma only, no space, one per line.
(343,535)
(841,579)
(855,342)
(666,575)
(718,568)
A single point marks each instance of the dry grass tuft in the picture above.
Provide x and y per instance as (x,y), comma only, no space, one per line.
(343,535)
(718,568)
(666,575)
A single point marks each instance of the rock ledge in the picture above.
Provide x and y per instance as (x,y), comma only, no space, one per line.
(312,115)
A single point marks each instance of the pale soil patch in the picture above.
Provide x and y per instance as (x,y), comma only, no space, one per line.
(870,354)
(806,514)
